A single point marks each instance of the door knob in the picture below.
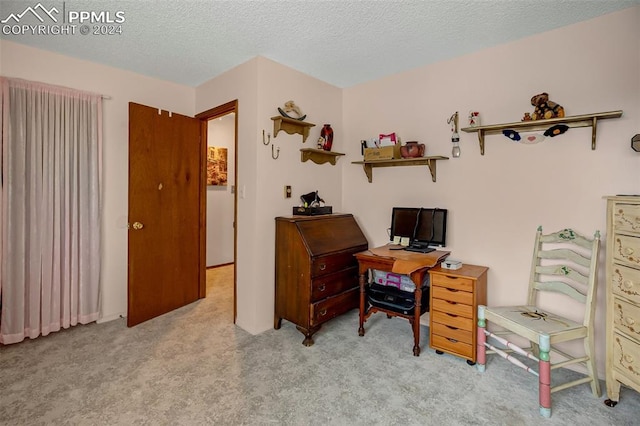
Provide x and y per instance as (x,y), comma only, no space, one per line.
(137,226)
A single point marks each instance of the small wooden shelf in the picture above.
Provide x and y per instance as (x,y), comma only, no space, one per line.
(422,161)
(291,126)
(319,156)
(585,120)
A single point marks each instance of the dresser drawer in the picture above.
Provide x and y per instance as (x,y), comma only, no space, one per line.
(453,282)
(452,307)
(464,336)
(626,357)
(626,282)
(332,284)
(333,306)
(626,217)
(450,320)
(626,318)
(334,262)
(453,346)
(451,294)
(626,249)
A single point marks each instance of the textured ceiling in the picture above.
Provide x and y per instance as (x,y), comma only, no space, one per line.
(341,42)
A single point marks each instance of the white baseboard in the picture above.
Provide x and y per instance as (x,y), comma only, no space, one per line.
(111,317)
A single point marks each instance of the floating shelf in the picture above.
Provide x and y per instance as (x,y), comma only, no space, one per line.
(319,156)
(291,126)
(586,120)
(421,161)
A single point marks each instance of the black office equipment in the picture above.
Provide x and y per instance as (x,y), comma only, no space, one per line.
(425,228)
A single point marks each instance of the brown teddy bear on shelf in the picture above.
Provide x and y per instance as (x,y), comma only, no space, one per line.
(544,108)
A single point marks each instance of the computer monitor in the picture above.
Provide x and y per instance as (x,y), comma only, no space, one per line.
(424,227)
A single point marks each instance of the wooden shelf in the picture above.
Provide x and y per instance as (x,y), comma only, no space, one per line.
(291,126)
(319,156)
(586,120)
(422,161)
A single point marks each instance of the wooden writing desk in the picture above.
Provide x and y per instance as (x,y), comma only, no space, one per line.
(416,265)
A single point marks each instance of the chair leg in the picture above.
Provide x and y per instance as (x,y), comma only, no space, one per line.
(544,379)
(481,340)
(591,366)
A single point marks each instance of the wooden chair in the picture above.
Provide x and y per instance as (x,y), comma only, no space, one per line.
(564,263)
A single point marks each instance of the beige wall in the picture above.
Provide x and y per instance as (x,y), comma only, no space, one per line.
(122,87)
(261,85)
(496,201)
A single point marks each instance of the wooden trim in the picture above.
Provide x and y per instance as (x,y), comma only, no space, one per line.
(205,116)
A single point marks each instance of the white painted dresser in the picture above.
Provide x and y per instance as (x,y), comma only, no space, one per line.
(623,295)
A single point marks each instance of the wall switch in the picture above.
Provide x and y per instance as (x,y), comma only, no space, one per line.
(287,191)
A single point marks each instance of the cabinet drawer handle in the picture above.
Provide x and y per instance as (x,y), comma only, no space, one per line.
(628,250)
(452,328)
(322,287)
(450,302)
(452,340)
(323,267)
(451,315)
(323,312)
(629,320)
(451,278)
(453,290)
(628,284)
(628,358)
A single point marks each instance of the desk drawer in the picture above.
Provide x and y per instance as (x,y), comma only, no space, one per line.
(450,320)
(458,334)
(453,282)
(453,346)
(332,284)
(626,357)
(455,308)
(627,217)
(626,318)
(625,282)
(626,249)
(452,295)
(330,263)
(333,306)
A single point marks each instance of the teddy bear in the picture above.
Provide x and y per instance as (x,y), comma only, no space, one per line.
(544,108)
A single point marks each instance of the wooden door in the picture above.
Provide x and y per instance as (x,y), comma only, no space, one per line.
(165,213)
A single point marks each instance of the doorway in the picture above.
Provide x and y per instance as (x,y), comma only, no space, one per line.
(221,127)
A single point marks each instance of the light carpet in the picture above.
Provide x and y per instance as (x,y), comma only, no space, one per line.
(193,366)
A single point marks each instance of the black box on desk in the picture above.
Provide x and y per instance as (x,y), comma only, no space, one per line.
(396,300)
(312,211)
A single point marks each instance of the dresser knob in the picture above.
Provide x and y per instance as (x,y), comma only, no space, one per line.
(323,267)
(629,320)
(628,358)
(628,250)
(323,312)
(628,284)
(322,287)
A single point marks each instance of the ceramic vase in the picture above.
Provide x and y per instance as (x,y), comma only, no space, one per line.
(412,149)
(327,134)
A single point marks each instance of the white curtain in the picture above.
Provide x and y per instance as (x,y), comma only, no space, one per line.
(50,211)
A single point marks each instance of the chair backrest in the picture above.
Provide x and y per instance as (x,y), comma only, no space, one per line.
(565,262)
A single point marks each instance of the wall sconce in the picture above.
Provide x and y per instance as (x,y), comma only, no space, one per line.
(455,137)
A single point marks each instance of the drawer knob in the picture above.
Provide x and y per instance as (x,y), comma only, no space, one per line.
(322,287)
(628,284)
(629,320)
(323,267)
(628,358)
(628,250)
(453,290)
(323,312)
(452,340)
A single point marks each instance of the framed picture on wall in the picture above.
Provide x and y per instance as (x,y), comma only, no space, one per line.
(216,166)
